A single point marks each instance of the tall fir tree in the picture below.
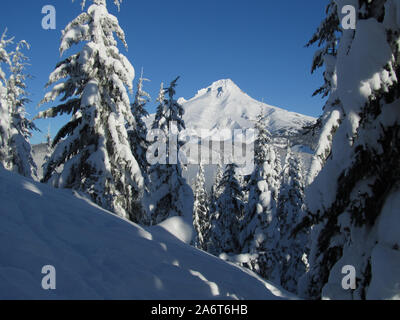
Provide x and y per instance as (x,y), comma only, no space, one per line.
(169,195)
(5,118)
(20,158)
(92,150)
(138,132)
(216,188)
(224,231)
(263,190)
(15,128)
(201,211)
(352,201)
(49,149)
(161,110)
(216,191)
(293,249)
(259,227)
(326,36)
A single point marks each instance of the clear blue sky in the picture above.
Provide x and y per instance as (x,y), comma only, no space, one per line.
(259,44)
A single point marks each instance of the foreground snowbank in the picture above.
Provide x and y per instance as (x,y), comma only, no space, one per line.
(99,256)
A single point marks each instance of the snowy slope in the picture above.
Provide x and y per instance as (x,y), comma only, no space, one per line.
(100,256)
(224,105)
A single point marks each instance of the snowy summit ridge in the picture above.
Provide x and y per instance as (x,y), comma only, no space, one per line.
(223,105)
(219,87)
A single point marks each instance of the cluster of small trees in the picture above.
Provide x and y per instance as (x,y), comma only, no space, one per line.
(256,215)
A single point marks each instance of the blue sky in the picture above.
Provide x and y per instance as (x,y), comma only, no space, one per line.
(259,44)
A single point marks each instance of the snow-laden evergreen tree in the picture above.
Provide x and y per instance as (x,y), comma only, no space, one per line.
(224,231)
(161,110)
(138,133)
(293,249)
(116,2)
(169,194)
(216,191)
(15,128)
(354,200)
(20,158)
(216,187)
(169,110)
(49,149)
(245,187)
(263,190)
(92,150)
(4,107)
(259,227)
(201,211)
(326,37)
(4,125)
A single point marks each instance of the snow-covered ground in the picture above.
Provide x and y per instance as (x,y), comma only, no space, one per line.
(100,256)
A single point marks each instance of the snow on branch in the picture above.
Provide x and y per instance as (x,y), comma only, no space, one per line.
(101,2)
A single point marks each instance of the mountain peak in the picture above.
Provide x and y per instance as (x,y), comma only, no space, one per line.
(224,83)
(218,88)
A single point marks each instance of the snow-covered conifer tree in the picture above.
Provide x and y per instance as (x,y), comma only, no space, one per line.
(49,149)
(216,188)
(20,158)
(161,109)
(224,232)
(93,148)
(138,133)
(293,249)
(263,190)
(169,195)
(15,128)
(354,200)
(216,191)
(327,38)
(4,107)
(201,211)
(259,227)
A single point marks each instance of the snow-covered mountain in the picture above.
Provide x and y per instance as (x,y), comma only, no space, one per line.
(223,105)
(100,256)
